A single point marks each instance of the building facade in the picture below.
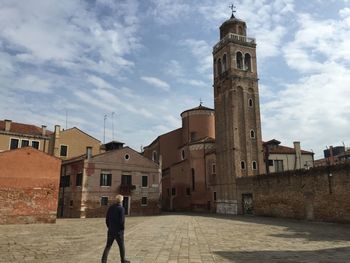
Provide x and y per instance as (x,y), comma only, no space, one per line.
(29,183)
(237,115)
(279,158)
(72,142)
(182,153)
(15,135)
(90,183)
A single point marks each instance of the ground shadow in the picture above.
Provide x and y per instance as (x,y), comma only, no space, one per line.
(338,255)
(309,230)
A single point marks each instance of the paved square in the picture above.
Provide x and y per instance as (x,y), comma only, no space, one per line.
(179,238)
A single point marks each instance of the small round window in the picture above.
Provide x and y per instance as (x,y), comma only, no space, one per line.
(126,156)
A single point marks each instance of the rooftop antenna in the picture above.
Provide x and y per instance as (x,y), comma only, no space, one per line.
(200,102)
(104,128)
(233,9)
(113,126)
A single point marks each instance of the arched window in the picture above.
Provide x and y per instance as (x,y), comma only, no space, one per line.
(219,67)
(243,165)
(215,71)
(250,102)
(182,154)
(240,30)
(224,63)
(239,60)
(254,165)
(247,62)
(252,134)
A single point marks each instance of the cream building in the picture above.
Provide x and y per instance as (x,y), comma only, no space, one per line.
(15,135)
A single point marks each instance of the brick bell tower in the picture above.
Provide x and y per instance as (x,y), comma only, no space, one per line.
(239,149)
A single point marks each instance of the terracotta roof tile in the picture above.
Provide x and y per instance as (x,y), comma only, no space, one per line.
(24,129)
(285,150)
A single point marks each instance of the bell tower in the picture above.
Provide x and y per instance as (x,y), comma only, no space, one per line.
(239,149)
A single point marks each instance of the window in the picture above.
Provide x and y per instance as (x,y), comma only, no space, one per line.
(193,136)
(144,201)
(247,62)
(270,162)
(188,191)
(214,196)
(126,179)
(64,150)
(173,191)
(79,179)
(193,179)
(252,134)
(224,63)
(219,67)
(240,30)
(65,181)
(254,165)
(182,154)
(278,165)
(168,191)
(243,165)
(250,102)
(104,200)
(239,60)
(106,179)
(213,168)
(24,143)
(35,144)
(144,180)
(71,203)
(154,156)
(127,157)
(14,144)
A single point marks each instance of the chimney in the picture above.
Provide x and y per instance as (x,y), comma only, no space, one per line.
(43,130)
(297,149)
(56,141)
(8,125)
(88,152)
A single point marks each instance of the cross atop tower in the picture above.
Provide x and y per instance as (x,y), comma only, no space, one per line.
(233,9)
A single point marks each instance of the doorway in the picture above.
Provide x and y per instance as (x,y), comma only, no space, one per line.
(247,204)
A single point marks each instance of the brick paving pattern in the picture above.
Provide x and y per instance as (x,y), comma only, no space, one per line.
(179,238)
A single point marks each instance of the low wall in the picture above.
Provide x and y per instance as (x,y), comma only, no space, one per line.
(317,194)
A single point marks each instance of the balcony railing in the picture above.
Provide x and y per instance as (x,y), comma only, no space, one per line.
(234,37)
(126,188)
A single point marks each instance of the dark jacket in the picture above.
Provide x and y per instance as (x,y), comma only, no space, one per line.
(115,218)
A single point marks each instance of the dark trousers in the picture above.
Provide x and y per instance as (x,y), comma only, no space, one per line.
(119,237)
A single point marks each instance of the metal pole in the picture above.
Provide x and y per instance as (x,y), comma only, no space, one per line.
(104,128)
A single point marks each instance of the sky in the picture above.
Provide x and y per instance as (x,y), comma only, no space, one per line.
(136,65)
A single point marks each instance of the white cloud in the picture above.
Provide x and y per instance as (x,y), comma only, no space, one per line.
(168,11)
(315,108)
(201,50)
(155,82)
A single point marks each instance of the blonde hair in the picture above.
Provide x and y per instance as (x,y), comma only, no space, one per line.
(119,199)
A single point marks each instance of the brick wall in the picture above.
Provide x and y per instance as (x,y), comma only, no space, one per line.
(317,194)
(28,186)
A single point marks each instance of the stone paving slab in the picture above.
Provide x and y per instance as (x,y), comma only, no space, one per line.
(192,238)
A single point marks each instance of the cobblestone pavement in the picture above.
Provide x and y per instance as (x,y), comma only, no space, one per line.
(180,238)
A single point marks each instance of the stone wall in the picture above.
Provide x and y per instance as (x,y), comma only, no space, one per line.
(317,194)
